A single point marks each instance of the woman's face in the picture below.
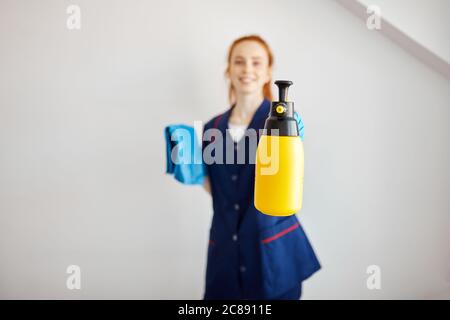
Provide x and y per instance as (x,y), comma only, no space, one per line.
(249,68)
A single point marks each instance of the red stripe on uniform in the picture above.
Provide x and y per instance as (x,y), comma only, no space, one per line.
(216,125)
(282,233)
(217,121)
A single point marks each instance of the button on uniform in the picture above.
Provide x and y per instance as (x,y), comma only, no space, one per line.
(236,206)
(235,237)
(234,177)
(242,268)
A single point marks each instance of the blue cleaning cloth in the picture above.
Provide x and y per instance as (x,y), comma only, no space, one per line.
(184,154)
(301,126)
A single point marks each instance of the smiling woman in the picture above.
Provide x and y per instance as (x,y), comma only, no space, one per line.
(249,68)
(251,255)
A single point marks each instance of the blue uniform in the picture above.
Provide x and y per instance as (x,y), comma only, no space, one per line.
(251,255)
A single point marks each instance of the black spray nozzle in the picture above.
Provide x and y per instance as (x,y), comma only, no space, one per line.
(283,86)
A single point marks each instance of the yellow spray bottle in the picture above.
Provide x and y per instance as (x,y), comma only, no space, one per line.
(279,165)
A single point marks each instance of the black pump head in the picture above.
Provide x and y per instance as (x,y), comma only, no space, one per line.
(281,119)
(283,86)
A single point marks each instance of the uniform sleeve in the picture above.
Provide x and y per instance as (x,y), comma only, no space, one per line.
(301,126)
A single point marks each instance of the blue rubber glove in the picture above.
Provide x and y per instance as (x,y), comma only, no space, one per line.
(301,126)
(187,164)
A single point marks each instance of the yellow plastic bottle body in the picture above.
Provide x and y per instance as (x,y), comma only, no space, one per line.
(279,173)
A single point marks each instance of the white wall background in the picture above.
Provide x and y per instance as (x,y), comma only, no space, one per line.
(82,152)
(425,21)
